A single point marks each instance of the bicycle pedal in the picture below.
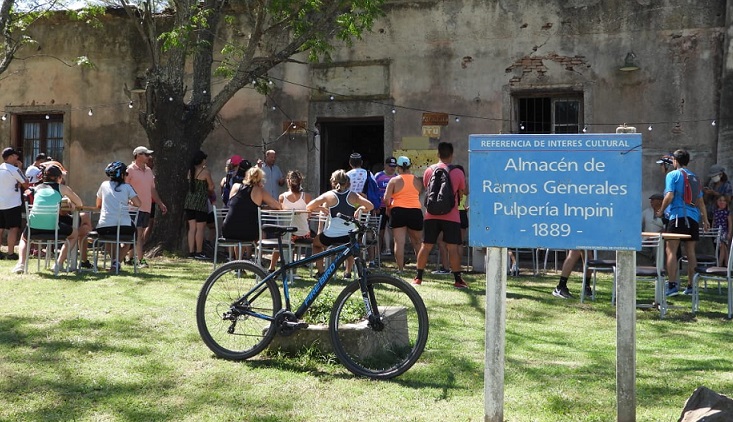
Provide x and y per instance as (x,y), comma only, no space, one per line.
(296,325)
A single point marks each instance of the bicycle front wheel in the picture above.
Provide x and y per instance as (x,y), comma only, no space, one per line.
(379,349)
(232,325)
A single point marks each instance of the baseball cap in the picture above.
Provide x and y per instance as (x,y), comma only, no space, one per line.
(141,150)
(391,161)
(7,152)
(235,160)
(403,161)
(716,169)
(657,196)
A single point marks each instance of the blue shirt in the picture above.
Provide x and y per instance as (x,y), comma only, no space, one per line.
(675,182)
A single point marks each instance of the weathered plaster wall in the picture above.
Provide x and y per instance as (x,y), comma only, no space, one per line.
(462,57)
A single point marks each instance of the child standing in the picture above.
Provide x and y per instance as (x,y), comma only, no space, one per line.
(722,218)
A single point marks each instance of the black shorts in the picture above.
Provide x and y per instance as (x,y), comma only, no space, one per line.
(328,241)
(407,217)
(681,226)
(64,230)
(464,218)
(143,219)
(451,231)
(11,217)
(112,230)
(199,216)
(152,210)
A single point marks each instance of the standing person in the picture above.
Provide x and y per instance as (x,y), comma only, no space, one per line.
(141,178)
(295,199)
(718,185)
(357,175)
(12,184)
(402,198)
(567,268)
(242,220)
(684,218)
(382,178)
(449,224)
(338,200)
(200,189)
(151,221)
(724,219)
(33,172)
(274,177)
(51,192)
(113,197)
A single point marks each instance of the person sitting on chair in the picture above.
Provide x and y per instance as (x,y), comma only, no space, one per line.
(50,192)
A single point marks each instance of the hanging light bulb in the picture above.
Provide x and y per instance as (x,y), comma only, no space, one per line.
(269,83)
(521,126)
(649,128)
(204,91)
(331,97)
(274,108)
(5,117)
(91,113)
(394,111)
(254,82)
(170,99)
(130,105)
(585,129)
(458,119)
(713,123)
(48,117)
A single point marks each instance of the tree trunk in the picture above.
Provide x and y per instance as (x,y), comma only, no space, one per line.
(175,133)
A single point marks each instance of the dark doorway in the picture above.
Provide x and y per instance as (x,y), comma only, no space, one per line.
(341,137)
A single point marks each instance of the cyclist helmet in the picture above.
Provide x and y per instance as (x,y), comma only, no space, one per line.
(116,169)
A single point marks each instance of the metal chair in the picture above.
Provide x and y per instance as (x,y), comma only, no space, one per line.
(653,273)
(223,242)
(276,218)
(372,221)
(716,273)
(705,260)
(49,240)
(117,239)
(594,264)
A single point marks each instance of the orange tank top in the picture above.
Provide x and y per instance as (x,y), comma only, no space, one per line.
(408,197)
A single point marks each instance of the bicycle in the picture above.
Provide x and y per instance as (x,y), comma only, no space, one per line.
(378,326)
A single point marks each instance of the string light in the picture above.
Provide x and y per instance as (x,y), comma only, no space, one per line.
(170,99)
(91,113)
(130,105)
(5,117)
(585,129)
(274,108)
(204,91)
(48,117)
(521,126)
(331,97)
(458,119)
(649,128)
(713,123)
(394,111)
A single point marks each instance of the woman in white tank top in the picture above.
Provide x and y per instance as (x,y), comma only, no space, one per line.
(294,199)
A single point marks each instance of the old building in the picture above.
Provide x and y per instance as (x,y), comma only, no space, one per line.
(430,70)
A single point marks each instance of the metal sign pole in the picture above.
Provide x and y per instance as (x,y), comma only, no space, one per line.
(626,336)
(496,264)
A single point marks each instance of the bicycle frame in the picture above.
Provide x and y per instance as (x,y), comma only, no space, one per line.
(341,253)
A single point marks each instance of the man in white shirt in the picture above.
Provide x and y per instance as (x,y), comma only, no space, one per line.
(12,184)
(649,222)
(357,175)
(274,177)
(33,172)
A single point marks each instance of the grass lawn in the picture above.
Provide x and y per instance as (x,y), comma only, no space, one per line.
(98,347)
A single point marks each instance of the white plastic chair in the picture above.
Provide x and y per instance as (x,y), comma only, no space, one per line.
(48,240)
(276,218)
(223,242)
(117,239)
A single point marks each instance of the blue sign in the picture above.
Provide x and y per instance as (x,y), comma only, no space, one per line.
(573,191)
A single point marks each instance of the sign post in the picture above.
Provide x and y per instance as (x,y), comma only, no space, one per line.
(573,191)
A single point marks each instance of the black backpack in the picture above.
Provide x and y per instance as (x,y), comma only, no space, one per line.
(440,198)
(231,178)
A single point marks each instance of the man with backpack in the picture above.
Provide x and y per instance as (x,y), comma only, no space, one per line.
(444,185)
(684,207)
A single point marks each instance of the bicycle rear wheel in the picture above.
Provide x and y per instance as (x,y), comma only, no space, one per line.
(225,322)
(389,347)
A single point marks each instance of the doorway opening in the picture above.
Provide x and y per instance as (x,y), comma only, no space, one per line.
(342,137)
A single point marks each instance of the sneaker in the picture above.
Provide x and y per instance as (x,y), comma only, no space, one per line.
(199,255)
(86,265)
(142,263)
(460,284)
(11,257)
(18,269)
(191,255)
(347,275)
(688,290)
(672,291)
(417,281)
(562,292)
(387,252)
(441,270)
